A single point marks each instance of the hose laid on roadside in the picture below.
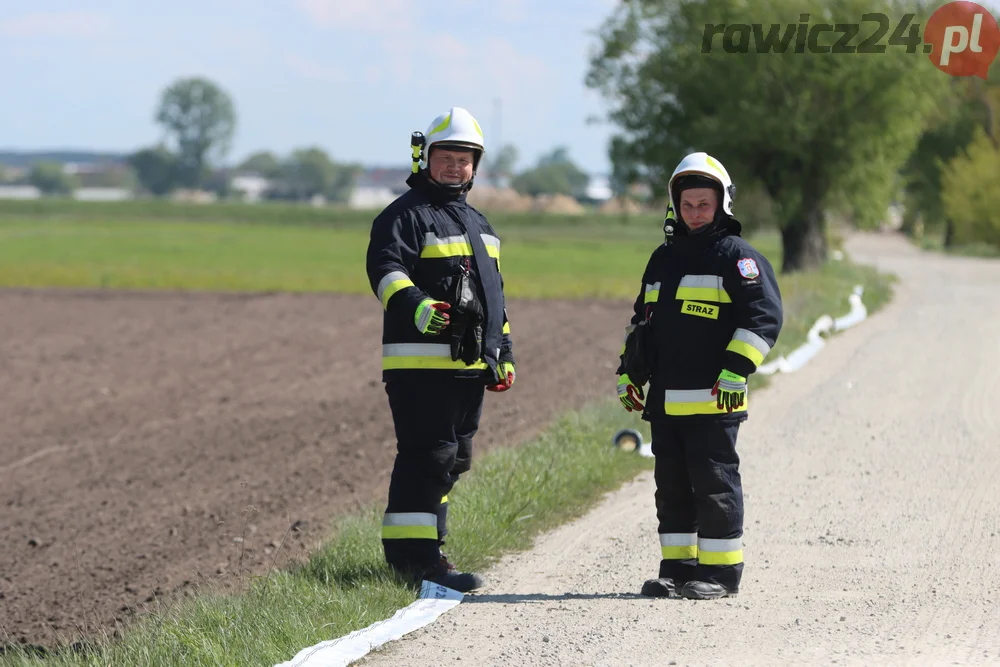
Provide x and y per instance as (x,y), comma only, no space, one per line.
(825,325)
(434,600)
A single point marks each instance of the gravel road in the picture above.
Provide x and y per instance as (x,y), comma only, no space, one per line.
(872,533)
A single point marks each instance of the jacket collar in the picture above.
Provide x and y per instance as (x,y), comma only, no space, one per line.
(723,226)
(437,194)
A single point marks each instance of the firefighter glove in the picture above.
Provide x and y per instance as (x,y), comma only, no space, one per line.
(506,369)
(629,394)
(730,391)
(430,317)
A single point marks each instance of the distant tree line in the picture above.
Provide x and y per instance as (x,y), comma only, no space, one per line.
(199,120)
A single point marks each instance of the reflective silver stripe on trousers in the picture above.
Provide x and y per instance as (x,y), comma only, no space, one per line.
(678,539)
(753,340)
(714,282)
(388,279)
(416,350)
(410,519)
(720,546)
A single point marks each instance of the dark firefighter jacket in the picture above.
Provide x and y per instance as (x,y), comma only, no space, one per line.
(418,250)
(713,303)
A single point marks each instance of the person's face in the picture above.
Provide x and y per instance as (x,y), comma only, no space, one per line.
(698,206)
(451,167)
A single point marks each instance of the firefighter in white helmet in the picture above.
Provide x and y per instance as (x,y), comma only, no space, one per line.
(708,313)
(434,263)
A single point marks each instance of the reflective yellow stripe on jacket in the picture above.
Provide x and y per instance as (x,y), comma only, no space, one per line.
(396,356)
(652,293)
(749,345)
(391,283)
(683,402)
(702,288)
(457,246)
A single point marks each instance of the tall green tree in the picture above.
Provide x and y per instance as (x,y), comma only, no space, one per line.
(156,169)
(311,171)
(687,75)
(950,130)
(264,163)
(51,179)
(970,195)
(502,163)
(201,119)
(555,173)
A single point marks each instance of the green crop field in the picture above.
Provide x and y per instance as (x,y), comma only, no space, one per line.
(541,257)
(555,261)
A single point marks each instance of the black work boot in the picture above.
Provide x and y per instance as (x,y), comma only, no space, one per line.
(446,564)
(445,574)
(704,590)
(659,588)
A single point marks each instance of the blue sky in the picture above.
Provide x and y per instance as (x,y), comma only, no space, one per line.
(354,78)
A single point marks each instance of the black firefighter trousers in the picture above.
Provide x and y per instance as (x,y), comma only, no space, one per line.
(699,501)
(435,420)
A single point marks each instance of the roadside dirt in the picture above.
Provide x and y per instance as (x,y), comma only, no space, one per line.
(153,442)
(872,515)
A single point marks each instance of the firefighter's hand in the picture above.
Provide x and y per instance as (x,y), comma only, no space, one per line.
(506,369)
(430,317)
(629,394)
(730,391)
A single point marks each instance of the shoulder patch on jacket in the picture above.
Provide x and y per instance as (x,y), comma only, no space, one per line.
(747,268)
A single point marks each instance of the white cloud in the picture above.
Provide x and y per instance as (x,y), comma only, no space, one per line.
(57,24)
(374,17)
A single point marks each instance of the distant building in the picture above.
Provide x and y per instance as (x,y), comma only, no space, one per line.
(377,187)
(251,187)
(19,192)
(599,189)
(102,194)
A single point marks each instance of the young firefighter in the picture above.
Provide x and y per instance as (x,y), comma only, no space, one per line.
(708,314)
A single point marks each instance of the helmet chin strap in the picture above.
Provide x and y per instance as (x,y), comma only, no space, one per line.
(448,186)
(452,188)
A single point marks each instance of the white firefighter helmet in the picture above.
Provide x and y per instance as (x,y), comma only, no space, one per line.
(456,127)
(704,165)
